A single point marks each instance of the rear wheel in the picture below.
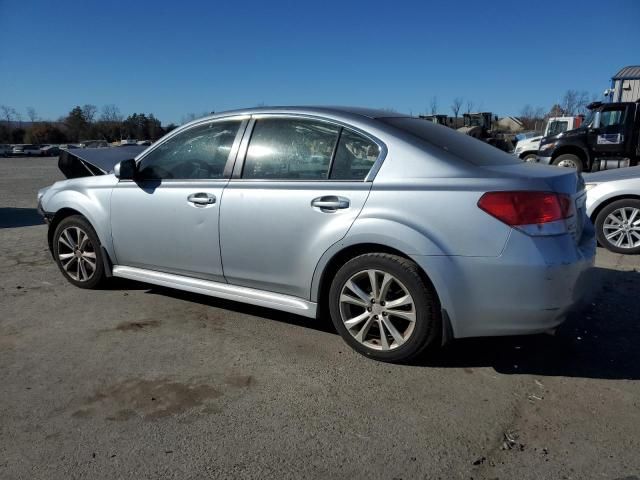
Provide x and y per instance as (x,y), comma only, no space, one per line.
(568,160)
(618,226)
(383,308)
(76,249)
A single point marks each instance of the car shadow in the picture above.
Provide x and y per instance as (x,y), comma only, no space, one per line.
(601,341)
(12,217)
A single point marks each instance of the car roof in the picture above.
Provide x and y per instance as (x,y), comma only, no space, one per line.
(371,113)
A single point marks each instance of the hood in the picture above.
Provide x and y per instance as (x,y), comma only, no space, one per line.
(611,175)
(576,132)
(87,162)
(529,141)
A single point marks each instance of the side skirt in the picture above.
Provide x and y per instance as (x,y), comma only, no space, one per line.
(253,296)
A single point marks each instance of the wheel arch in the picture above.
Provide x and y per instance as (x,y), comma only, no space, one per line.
(608,201)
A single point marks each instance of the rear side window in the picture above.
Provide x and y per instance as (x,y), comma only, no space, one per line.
(463,146)
(290,149)
(355,155)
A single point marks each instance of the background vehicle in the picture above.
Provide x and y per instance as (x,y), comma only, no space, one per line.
(527,149)
(128,141)
(481,126)
(26,149)
(345,211)
(613,204)
(50,151)
(609,139)
(94,144)
(5,150)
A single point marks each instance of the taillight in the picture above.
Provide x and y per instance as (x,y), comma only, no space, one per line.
(527,208)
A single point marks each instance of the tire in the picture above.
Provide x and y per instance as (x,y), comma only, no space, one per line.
(66,237)
(530,158)
(628,241)
(567,160)
(415,335)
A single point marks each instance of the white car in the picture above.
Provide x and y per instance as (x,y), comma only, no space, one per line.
(527,149)
(26,149)
(613,204)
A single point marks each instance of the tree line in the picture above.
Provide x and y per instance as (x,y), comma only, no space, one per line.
(81,123)
(572,103)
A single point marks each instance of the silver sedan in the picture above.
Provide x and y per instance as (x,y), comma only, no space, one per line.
(613,203)
(406,233)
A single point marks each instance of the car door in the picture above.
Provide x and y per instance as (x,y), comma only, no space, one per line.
(297,187)
(167,218)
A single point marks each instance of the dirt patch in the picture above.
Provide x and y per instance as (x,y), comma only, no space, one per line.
(137,326)
(240,380)
(147,399)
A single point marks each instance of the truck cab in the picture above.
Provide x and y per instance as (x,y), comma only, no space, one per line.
(607,139)
(527,149)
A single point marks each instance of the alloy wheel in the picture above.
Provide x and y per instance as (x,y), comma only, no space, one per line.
(76,254)
(377,309)
(622,227)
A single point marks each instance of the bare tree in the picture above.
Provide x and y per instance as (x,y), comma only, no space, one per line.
(574,102)
(456,106)
(532,118)
(434,105)
(469,106)
(32,114)
(7,113)
(89,112)
(110,113)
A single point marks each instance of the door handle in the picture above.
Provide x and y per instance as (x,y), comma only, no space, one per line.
(202,198)
(330,203)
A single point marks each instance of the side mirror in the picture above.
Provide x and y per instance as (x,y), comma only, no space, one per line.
(125,170)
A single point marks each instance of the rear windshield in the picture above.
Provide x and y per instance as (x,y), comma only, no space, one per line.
(467,148)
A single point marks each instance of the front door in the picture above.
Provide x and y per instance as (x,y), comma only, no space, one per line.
(298,191)
(167,219)
(608,136)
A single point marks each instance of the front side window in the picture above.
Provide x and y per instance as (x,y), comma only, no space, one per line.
(611,118)
(354,157)
(290,149)
(198,153)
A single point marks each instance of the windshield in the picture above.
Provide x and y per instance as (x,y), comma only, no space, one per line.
(588,120)
(463,146)
(557,126)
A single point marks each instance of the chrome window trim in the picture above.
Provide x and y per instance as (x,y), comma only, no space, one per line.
(226,174)
(242,153)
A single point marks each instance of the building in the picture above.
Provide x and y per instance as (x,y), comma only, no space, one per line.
(625,85)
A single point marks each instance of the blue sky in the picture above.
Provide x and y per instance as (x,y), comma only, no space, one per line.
(172,58)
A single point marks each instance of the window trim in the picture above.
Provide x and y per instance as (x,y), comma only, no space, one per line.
(244,146)
(228,167)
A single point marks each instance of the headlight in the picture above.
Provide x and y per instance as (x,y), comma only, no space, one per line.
(589,186)
(548,146)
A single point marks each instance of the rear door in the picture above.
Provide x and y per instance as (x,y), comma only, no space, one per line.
(298,185)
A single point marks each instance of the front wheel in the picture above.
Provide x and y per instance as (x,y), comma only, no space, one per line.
(76,249)
(568,160)
(618,226)
(382,307)
(530,158)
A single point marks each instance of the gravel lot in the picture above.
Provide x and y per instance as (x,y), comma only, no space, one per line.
(136,381)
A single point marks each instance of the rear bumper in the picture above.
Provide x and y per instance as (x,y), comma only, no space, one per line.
(529,288)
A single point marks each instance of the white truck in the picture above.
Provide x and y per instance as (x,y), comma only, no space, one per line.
(527,149)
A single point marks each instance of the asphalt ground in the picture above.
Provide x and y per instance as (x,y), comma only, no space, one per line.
(137,381)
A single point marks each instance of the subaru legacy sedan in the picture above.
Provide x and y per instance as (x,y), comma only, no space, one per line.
(406,233)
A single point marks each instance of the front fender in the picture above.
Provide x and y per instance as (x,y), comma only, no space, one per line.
(88,196)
